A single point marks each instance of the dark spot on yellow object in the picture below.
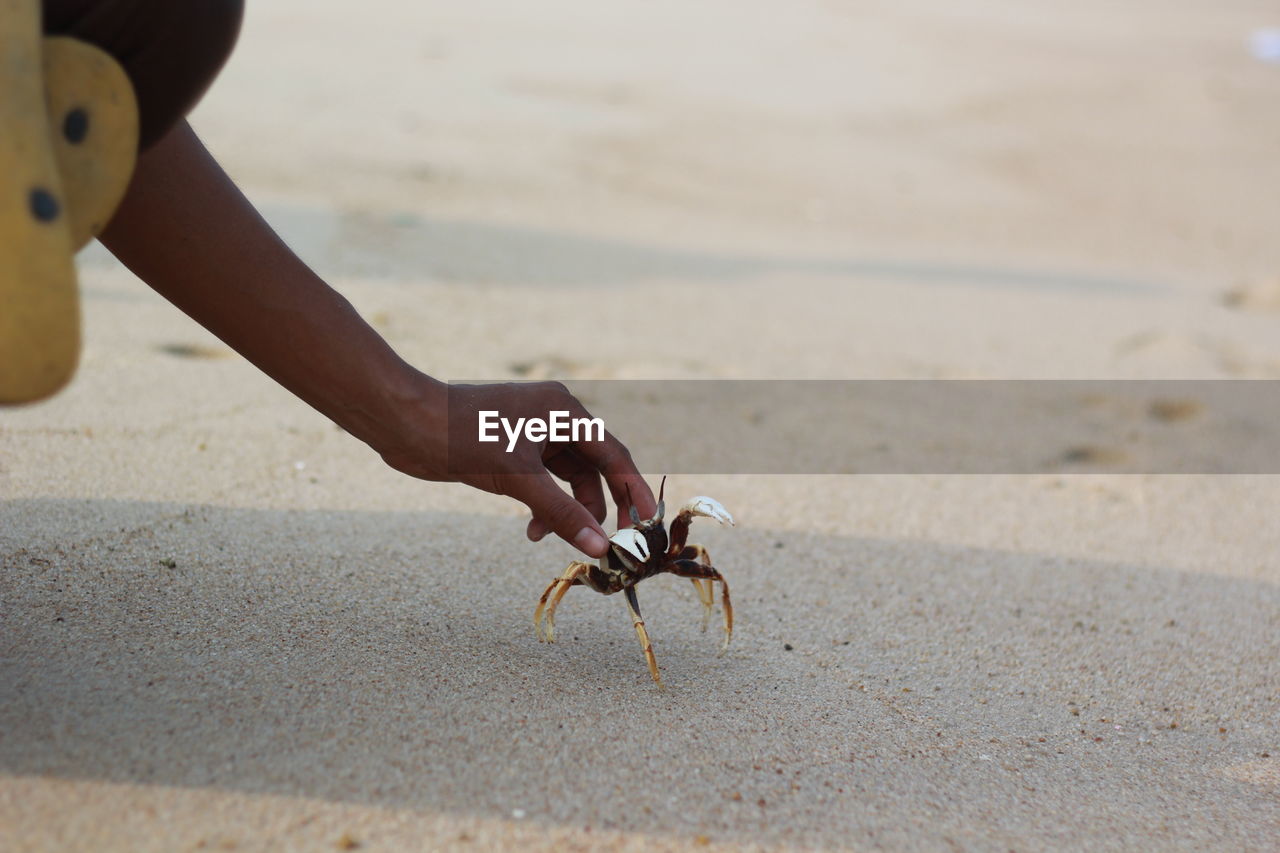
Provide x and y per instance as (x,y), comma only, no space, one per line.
(44,206)
(75,126)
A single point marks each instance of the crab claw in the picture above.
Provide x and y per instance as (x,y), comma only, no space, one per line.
(708,508)
(632,541)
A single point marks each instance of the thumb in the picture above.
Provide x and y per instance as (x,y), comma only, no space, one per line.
(560,512)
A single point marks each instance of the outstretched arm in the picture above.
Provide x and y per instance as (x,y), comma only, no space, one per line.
(187,231)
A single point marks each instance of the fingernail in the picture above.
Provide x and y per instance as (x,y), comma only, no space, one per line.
(590,542)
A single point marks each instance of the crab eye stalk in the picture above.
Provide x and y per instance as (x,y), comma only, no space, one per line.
(662,488)
(631,509)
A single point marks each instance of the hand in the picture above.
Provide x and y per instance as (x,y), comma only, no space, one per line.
(442,445)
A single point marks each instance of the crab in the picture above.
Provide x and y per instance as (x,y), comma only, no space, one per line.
(641,551)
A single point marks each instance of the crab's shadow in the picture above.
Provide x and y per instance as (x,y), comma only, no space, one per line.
(255,650)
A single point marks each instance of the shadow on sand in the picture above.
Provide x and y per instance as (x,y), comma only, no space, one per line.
(368,658)
(408,246)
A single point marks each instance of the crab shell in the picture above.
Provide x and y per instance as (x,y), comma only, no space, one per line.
(631,542)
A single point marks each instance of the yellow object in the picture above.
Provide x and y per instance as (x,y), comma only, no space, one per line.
(39,306)
(66,155)
(94,121)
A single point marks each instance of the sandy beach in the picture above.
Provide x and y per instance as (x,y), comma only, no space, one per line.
(224,624)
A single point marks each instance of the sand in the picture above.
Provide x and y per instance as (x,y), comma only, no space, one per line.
(225,625)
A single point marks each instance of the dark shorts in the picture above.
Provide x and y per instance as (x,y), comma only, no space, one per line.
(171,49)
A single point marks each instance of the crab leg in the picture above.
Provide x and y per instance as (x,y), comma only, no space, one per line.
(694,552)
(555,591)
(633,604)
(707,595)
(701,571)
(705,588)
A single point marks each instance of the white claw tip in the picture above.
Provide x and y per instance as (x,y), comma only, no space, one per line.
(633,542)
(709,508)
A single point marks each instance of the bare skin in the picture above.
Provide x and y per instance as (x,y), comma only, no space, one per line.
(188,232)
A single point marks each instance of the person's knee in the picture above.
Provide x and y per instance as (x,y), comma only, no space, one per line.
(172,51)
(190,44)
(216,24)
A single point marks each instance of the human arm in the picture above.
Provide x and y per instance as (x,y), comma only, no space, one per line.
(187,231)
